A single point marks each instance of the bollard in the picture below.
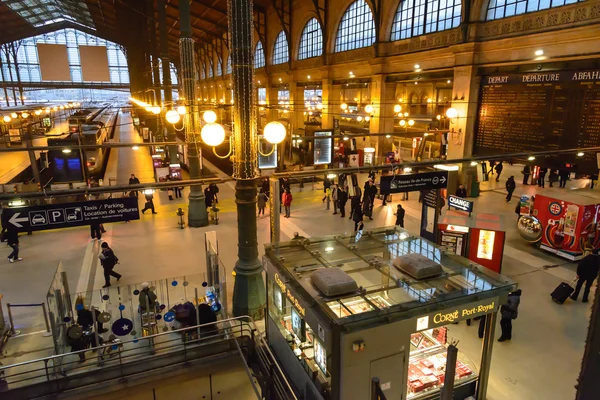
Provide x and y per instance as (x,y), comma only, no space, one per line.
(180,214)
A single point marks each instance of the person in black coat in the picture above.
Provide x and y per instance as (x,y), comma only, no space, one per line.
(133,180)
(370,194)
(461,191)
(108,259)
(541,181)
(326,185)
(563,175)
(208,197)
(357,217)
(355,201)
(12,239)
(509,311)
(400,216)
(95,231)
(149,203)
(526,172)
(510,187)
(342,200)
(587,272)
(498,169)
(266,187)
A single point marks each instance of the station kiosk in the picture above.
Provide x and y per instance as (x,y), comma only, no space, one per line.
(344,309)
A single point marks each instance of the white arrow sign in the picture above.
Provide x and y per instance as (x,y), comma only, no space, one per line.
(443,179)
(15,220)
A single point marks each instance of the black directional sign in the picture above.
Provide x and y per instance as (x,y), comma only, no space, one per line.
(413,182)
(460,204)
(66,215)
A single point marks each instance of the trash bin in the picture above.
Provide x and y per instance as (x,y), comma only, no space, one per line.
(474,192)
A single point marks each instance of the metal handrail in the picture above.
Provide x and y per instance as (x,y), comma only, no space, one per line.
(246,325)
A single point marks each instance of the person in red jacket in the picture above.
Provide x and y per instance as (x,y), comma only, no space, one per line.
(287,202)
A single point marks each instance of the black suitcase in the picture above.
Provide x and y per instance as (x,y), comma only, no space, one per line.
(562,292)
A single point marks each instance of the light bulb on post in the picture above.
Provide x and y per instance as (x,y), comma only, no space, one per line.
(359,118)
(24,115)
(369,109)
(274,132)
(367,118)
(172,116)
(210,117)
(344,106)
(411,122)
(212,134)
(402,122)
(181,110)
(397,108)
(14,115)
(451,113)
(155,110)
(6,118)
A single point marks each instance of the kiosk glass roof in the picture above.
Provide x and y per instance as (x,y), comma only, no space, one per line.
(367,258)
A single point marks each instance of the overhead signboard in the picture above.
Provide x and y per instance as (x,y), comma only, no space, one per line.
(414,182)
(323,148)
(460,204)
(55,216)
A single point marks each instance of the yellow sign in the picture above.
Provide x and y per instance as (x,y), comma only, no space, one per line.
(290,296)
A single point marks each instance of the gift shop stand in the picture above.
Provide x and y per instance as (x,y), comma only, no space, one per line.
(344,309)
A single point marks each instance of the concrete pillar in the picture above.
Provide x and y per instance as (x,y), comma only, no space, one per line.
(383,98)
(197,215)
(249,287)
(331,103)
(465,97)
(166,73)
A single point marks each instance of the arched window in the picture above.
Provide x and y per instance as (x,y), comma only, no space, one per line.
(311,41)
(498,9)
(417,17)
(280,50)
(228,70)
(219,66)
(210,68)
(259,56)
(357,28)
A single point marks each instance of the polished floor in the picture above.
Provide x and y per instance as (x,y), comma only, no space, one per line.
(542,360)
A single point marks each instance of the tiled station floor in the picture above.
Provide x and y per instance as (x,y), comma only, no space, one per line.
(542,360)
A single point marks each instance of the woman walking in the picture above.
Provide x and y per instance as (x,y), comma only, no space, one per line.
(287,202)
(261,202)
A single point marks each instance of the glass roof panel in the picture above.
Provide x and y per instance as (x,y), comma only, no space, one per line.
(44,12)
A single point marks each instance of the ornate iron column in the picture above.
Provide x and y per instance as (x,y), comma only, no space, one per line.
(166,73)
(249,288)
(197,216)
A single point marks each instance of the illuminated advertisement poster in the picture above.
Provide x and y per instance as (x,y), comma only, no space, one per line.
(298,325)
(278,299)
(485,247)
(321,356)
(571,219)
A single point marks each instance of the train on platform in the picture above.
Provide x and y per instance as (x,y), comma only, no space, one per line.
(84,117)
(71,163)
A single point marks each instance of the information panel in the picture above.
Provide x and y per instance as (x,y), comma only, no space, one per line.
(540,112)
(323,148)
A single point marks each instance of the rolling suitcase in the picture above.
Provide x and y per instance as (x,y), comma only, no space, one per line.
(562,292)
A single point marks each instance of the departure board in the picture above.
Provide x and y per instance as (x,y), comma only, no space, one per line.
(538,112)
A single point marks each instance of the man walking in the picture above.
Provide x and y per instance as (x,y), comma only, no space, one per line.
(563,174)
(510,187)
(509,311)
(95,231)
(133,180)
(587,272)
(342,200)
(108,259)
(149,203)
(498,169)
(12,239)
(400,216)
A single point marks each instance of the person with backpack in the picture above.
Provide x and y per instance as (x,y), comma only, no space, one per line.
(587,272)
(509,311)
(108,259)
(498,169)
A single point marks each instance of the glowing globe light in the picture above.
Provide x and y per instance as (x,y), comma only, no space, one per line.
(274,132)
(172,116)
(344,106)
(212,134)
(209,117)
(6,118)
(402,122)
(155,110)
(369,109)
(181,110)
(411,122)
(24,115)
(397,108)
(13,115)
(451,113)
